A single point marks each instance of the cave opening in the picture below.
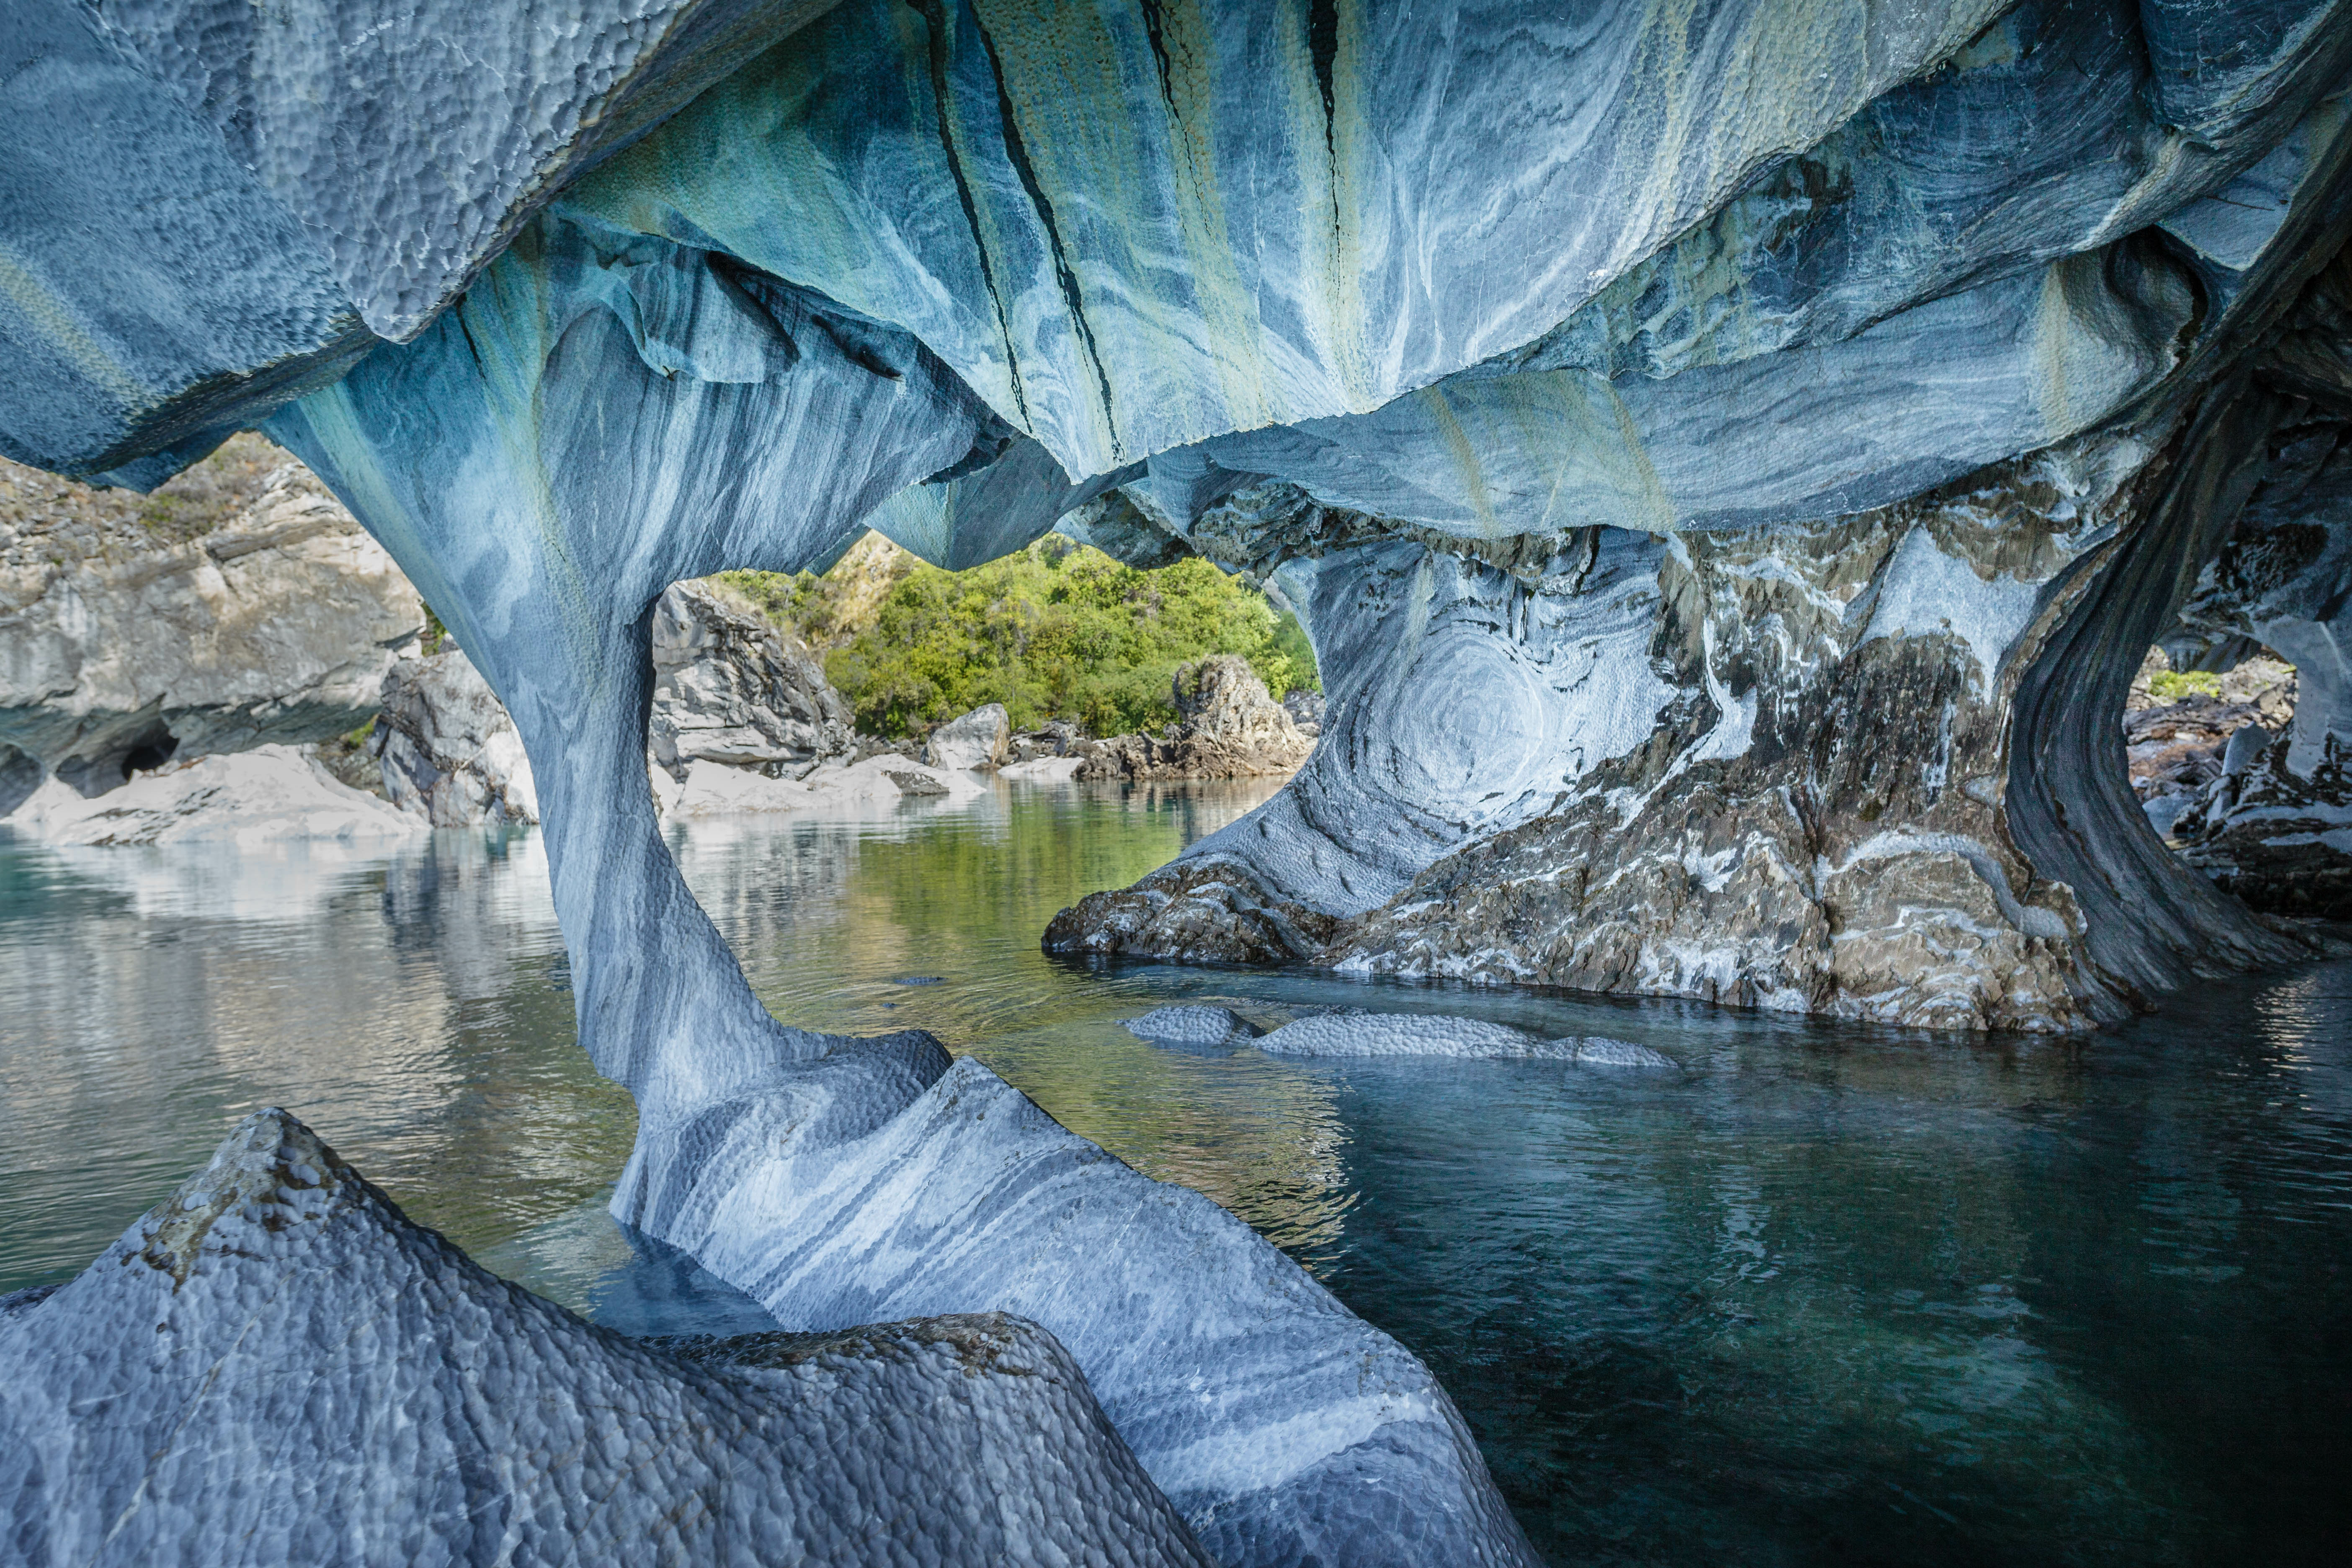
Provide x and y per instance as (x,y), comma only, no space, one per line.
(2194,725)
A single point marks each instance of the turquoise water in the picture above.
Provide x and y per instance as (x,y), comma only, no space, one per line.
(1829,1295)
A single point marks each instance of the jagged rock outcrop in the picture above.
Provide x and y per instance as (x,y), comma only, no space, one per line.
(171,1405)
(728,690)
(448,751)
(1730,465)
(979,739)
(1226,728)
(238,606)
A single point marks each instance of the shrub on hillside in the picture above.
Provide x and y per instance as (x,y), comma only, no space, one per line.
(1054,631)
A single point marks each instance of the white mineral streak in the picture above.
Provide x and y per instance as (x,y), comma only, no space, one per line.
(271,794)
(164,1404)
(1925,591)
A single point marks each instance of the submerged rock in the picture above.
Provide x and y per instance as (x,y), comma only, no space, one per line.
(1193,1026)
(981,739)
(270,794)
(1353,1032)
(1226,727)
(277,1366)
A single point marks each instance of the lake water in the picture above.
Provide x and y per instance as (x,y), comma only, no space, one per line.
(1829,1295)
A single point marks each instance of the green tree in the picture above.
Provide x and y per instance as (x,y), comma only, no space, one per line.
(1055,631)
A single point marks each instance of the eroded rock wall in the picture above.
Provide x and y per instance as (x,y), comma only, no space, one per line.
(241,608)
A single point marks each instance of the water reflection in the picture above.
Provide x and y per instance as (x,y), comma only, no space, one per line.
(1828,1295)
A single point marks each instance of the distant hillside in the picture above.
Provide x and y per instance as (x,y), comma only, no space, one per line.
(1055,631)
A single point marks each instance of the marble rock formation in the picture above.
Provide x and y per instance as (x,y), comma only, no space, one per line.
(1226,728)
(729,689)
(2274,825)
(1356,1032)
(447,749)
(239,606)
(172,1405)
(267,796)
(1729,463)
(1193,1028)
(2175,748)
(982,739)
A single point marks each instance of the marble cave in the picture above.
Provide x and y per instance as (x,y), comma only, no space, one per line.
(1729,458)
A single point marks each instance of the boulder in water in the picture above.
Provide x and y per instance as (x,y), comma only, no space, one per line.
(729,689)
(1352,1032)
(1193,1026)
(450,751)
(1226,727)
(979,740)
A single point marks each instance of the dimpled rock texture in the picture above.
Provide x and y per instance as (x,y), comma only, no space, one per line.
(276,1365)
(242,607)
(1192,1026)
(1352,1032)
(214,206)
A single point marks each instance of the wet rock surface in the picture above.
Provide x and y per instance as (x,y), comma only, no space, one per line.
(1194,1027)
(277,1366)
(1356,1032)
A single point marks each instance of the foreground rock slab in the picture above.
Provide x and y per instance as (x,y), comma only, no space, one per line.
(275,1365)
(879,1180)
